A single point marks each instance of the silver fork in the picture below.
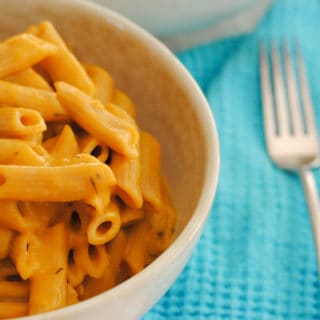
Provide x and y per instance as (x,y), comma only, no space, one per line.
(289,125)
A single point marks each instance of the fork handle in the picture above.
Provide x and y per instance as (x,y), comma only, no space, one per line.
(312,197)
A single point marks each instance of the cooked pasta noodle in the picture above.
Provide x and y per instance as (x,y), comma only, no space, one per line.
(20,152)
(128,174)
(103,83)
(119,133)
(29,78)
(63,66)
(82,202)
(22,51)
(6,236)
(90,145)
(150,170)
(104,226)
(20,122)
(44,101)
(120,99)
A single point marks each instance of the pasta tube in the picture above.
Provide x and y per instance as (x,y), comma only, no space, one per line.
(75,273)
(92,146)
(72,295)
(115,249)
(103,82)
(29,78)
(120,134)
(76,218)
(93,286)
(18,152)
(103,227)
(135,252)
(12,309)
(118,112)
(48,286)
(91,259)
(65,145)
(161,223)
(21,52)
(150,169)
(128,175)
(24,254)
(11,216)
(44,101)
(6,237)
(14,289)
(63,66)
(130,215)
(61,183)
(20,123)
(39,215)
(120,99)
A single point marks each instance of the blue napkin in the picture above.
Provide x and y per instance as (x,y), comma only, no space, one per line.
(256,257)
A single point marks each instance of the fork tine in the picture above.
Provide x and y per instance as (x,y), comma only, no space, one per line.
(279,90)
(267,100)
(296,116)
(305,94)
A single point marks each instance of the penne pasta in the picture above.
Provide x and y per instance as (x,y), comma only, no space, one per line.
(63,66)
(120,99)
(150,169)
(21,52)
(14,289)
(76,220)
(11,217)
(128,175)
(44,101)
(48,285)
(20,123)
(65,145)
(116,249)
(61,183)
(129,215)
(92,146)
(6,237)
(161,223)
(118,112)
(12,309)
(93,286)
(24,254)
(29,78)
(104,85)
(19,152)
(91,259)
(104,226)
(75,273)
(40,215)
(118,133)
(135,251)
(72,295)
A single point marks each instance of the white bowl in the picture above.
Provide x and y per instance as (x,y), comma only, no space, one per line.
(182,24)
(169,104)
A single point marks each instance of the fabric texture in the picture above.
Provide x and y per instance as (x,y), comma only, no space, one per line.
(256,257)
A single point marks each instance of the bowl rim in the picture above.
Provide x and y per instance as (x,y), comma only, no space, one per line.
(194,226)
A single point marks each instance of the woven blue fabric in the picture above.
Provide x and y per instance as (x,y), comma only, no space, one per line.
(255,259)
